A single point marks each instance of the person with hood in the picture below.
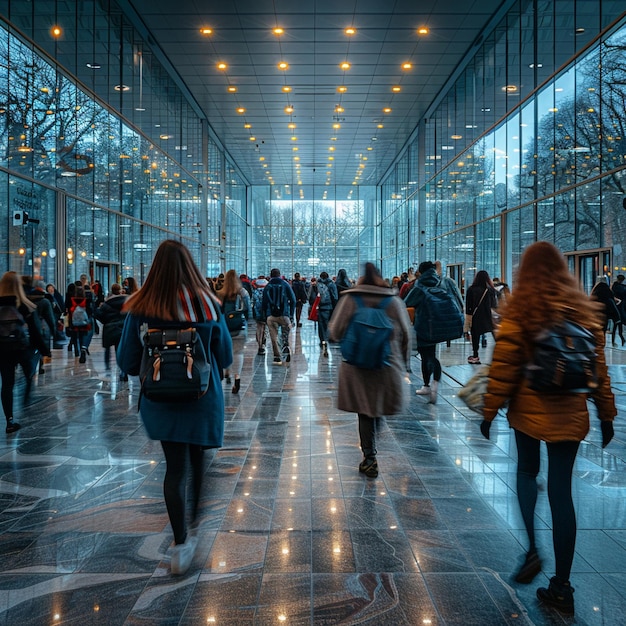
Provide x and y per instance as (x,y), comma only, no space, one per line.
(279,305)
(373,393)
(110,314)
(327,291)
(431,367)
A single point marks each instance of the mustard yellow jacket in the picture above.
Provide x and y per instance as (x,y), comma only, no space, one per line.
(543,416)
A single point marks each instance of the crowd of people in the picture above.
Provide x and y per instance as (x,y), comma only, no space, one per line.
(221,309)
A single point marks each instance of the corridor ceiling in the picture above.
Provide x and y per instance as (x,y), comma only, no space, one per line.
(347,124)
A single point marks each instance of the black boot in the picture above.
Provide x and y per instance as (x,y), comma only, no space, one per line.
(559,595)
(236,385)
(83,355)
(12,426)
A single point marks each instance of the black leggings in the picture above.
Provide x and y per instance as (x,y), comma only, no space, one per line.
(175,483)
(430,363)
(367,434)
(561,457)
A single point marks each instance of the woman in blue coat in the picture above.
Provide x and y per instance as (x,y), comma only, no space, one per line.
(176,292)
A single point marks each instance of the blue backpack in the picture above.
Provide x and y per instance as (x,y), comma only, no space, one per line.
(257,304)
(366,342)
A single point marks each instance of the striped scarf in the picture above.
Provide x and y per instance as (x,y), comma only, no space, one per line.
(199,307)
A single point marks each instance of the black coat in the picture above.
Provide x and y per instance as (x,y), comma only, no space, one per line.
(110,314)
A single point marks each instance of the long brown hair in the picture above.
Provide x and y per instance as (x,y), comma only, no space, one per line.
(232,286)
(172,269)
(545,292)
(11,285)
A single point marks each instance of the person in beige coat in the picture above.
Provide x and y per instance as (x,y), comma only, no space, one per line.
(373,393)
(544,294)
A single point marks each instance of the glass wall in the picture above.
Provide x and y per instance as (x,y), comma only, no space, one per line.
(101,149)
(529,147)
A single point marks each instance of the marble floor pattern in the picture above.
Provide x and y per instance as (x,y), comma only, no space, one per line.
(290,532)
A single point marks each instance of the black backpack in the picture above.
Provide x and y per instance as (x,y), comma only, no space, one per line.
(233,314)
(276,296)
(564,360)
(13,329)
(439,317)
(174,365)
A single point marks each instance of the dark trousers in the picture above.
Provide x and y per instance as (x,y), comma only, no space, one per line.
(430,363)
(367,434)
(561,457)
(178,457)
(8,363)
(323,317)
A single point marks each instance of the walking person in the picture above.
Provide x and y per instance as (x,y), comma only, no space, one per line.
(327,291)
(619,291)
(431,367)
(111,316)
(373,393)
(176,294)
(259,315)
(602,293)
(342,282)
(81,322)
(18,345)
(236,309)
(299,291)
(480,299)
(279,305)
(561,420)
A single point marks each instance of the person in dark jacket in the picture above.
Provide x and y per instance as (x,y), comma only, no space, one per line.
(299,291)
(36,293)
(12,295)
(279,305)
(342,282)
(111,316)
(327,290)
(428,277)
(619,291)
(603,294)
(175,292)
(480,300)
(81,335)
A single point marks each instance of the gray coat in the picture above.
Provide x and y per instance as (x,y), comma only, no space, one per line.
(374,392)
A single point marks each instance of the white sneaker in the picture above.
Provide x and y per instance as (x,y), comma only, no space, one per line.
(424,391)
(433,391)
(182,555)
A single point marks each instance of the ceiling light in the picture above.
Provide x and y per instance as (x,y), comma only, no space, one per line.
(121,88)
(247,125)
(396,89)
(283,66)
(292,125)
(345,65)
(380,126)
(56,31)
(261,158)
(456,137)
(532,66)
(206,31)
(386,110)
(336,126)
(342,89)
(221,66)
(339,109)
(232,89)
(286,89)
(278,31)
(331,149)
(423,30)
(509,88)
(350,31)
(294,138)
(93,66)
(579,31)
(407,66)
(241,110)
(289,109)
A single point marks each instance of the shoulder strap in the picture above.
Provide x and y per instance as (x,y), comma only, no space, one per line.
(480,301)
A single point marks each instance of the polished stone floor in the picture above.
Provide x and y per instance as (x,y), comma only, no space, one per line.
(291,533)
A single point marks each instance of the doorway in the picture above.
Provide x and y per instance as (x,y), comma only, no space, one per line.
(105,272)
(590,265)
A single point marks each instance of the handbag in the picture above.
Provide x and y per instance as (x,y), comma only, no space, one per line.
(314,311)
(473,392)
